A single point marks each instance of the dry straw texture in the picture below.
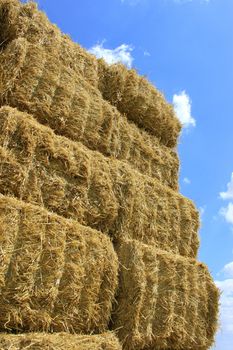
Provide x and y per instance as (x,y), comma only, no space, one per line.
(132,95)
(165,301)
(55,275)
(135,97)
(24,20)
(42,83)
(59,341)
(69,179)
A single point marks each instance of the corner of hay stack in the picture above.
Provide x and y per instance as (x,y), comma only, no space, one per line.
(132,94)
(165,301)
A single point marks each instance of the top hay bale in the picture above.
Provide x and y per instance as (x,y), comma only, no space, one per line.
(140,101)
(39,81)
(133,95)
(24,20)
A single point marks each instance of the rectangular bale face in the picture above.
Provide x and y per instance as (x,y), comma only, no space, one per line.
(164,300)
(139,100)
(38,82)
(59,341)
(55,274)
(106,194)
(65,177)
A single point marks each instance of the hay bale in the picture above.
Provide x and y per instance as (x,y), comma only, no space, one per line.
(133,95)
(103,193)
(154,214)
(140,101)
(165,301)
(55,274)
(59,341)
(39,82)
(24,20)
(52,171)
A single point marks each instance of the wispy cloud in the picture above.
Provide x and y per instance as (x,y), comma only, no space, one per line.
(226,301)
(225,334)
(122,53)
(187,181)
(228,270)
(229,192)
(227,213)
(182,106)
(202,211)
(146,53)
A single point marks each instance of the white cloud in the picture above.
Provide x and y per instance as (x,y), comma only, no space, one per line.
(202,211)
(228,270)
(146,53)
(187,180)
(229,192)
(121,54)
(223,341)
(182,106)
(226,305)
(225,333)
(227,213)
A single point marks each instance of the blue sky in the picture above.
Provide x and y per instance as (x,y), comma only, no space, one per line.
(185,47)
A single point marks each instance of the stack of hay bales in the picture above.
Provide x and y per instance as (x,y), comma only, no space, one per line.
(95,238)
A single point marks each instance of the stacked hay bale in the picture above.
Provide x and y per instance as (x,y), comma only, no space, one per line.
(59,341)
(94,234)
